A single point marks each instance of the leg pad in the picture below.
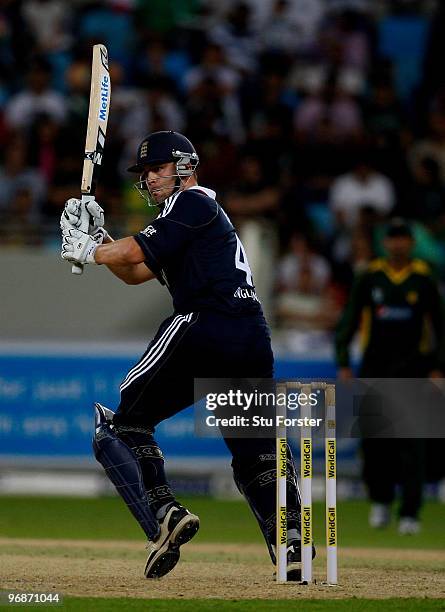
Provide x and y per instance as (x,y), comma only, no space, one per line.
(122,468)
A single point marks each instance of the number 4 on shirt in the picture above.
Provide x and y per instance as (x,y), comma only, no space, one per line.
(241,261)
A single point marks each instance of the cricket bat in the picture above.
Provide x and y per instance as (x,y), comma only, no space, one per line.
(100,97)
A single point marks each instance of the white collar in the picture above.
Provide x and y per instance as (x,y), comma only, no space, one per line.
(206,190)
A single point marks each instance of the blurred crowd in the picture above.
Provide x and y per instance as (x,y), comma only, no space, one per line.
(315,120)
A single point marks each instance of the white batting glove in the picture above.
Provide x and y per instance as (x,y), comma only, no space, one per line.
(74,213)
(80,247)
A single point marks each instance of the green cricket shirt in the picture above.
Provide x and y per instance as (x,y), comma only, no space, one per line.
(401,318)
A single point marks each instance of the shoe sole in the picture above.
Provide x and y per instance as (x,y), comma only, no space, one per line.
(165,560)
(185,530)
(168,555)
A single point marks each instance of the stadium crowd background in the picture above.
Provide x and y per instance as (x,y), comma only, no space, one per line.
(315,121)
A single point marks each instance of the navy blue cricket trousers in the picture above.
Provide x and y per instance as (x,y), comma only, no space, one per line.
(207,344)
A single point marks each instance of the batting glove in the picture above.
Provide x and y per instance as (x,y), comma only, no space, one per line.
(80,247)
(74,213)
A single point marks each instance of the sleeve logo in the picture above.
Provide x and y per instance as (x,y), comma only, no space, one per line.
(149,231)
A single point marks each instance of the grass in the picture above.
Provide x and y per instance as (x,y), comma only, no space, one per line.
(222,605)
(221,521)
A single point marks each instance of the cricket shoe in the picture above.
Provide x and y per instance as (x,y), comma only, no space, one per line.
(177,528)
(294,561)
(379,516)
(408,526)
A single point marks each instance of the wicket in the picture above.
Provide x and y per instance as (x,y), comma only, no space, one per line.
(306,485)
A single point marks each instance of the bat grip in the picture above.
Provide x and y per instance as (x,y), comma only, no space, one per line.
(77,268)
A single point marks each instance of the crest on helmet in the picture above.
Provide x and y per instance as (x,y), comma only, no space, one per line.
(144,149)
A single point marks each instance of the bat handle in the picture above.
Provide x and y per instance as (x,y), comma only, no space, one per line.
(77,268)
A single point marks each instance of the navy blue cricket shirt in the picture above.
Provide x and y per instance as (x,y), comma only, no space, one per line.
(193,249)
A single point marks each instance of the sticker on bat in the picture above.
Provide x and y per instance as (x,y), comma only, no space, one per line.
(104,57)
(104,97)
(95,157)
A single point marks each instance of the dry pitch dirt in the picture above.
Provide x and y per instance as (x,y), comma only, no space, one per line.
(228,571)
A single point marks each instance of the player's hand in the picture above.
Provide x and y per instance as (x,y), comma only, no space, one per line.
(75,212)
(79,247)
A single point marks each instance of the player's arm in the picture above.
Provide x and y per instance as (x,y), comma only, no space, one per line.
(349,322)
(125,259)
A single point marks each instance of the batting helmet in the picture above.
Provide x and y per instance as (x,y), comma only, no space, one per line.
(167,146)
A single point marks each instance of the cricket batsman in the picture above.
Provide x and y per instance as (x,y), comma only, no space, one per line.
(217,330)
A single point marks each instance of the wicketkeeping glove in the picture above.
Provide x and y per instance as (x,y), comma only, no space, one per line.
(74,213)
(80,247)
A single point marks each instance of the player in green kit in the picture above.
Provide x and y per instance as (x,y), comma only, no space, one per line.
(396,300)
